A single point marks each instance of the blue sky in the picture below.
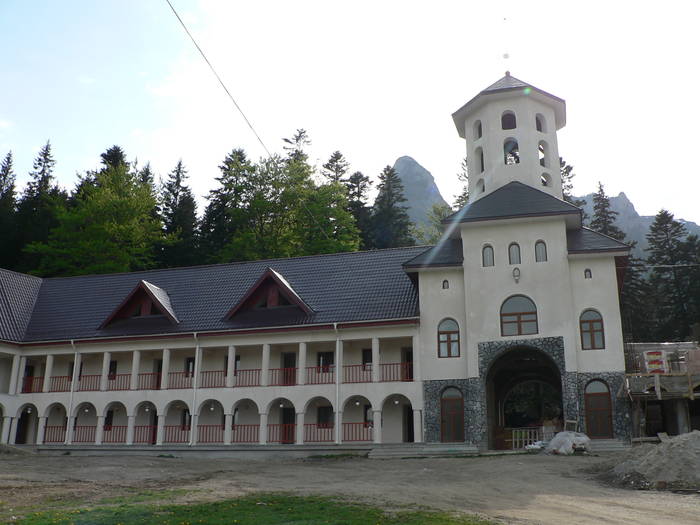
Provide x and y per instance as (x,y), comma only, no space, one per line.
(376,80)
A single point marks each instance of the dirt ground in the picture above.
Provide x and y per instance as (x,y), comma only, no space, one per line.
(513,488)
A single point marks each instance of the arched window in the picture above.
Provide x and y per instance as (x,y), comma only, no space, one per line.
(592,333)
(587,274)
(508,120)
(479,154)
(480,187)
(478,131)
(543,153)
(540,251)
(445,284)
(448,338)
(511,152)
(487,256)
(514,253)
(545,179)
(540,123)
(518,316)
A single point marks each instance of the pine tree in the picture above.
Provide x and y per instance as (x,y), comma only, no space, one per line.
(8,209)
(432,233)
(296,144)
(462,199)
(669,282)
(358,185)
(336,167)
(39,207)
(179,220)
(224,215)
(604,216)
(390,223)
(114,157)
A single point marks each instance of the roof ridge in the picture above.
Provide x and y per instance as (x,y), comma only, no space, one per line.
(604,235)
(232,263)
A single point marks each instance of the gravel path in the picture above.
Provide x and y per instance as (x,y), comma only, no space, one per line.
(515,489)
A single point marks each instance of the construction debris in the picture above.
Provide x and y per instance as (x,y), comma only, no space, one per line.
(567,442)
(673,464)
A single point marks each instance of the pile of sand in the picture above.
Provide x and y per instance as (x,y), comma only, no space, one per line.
(674,464)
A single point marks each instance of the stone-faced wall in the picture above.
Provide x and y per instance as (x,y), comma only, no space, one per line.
(474,392)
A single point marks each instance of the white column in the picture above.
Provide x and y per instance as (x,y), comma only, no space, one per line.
(231,367)
(130,424)
(161,429)
(99,430)
(166,369)
(20,374)
(40,431)
(265,372)
(194,432)
(135,367)
(48,370)
(377,428)
(263,429)
(339,427)
(105,370)
(417,425)
(6,424)
(416,358)
(13,431)
(375,359)
(301,372)
(228,425)
(338,361)
(69,430)
(299,438)
(76,373)
(14,375)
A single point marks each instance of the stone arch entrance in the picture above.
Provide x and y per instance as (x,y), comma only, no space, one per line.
(523,392)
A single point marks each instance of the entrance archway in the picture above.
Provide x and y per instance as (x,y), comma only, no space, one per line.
(27,425)
(524,397)
(598,410)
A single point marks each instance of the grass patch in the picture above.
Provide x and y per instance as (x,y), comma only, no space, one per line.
(142,496)
(268,509)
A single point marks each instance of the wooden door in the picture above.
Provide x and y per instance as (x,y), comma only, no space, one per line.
(407,364)
(452,420)
(598,415)
(289,372)
(288,427)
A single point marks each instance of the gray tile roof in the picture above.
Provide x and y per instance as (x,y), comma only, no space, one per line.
(586,240)
(515,199)
(447,253)
(343,287)
(507,82)
(18,293)
(162,297)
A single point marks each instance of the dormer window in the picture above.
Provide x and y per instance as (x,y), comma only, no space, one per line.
(146,300)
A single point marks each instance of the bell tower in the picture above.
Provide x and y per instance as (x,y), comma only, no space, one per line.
(511,134)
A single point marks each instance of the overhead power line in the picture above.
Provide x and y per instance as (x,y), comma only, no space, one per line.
(218,78)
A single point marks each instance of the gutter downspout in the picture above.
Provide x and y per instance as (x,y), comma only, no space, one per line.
(195,384)
(72,386)
(338,370)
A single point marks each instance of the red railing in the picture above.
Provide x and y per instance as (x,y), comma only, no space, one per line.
(245,434)
(320,375)
(210,433)
(176,434)
(84,433)
(281,433)
(89,383)
(54,434)
(179,380)
(396,371)
(283,376)
(145,434)
(213,379)
(114,434)
(357,432)
(32,384)
(149,381)
(59,384)
(119,382)
(247,377)
(357,373)
(318,433)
